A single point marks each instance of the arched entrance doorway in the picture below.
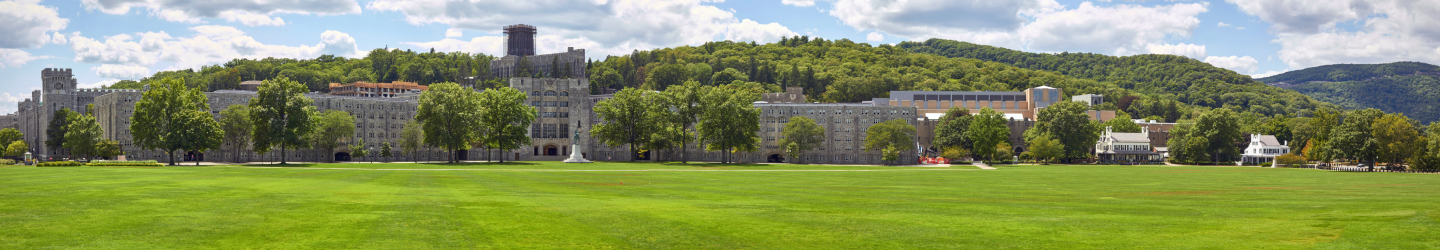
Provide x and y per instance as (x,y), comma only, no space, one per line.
(342,156)
(777,158)
(463,155)
(552,150)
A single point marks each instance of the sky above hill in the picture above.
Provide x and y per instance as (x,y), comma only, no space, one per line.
(105,41)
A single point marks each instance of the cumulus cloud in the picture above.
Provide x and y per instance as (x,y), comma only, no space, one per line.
(616,26)
(800,3)
(14,58)
(453,32)
(1239,64)
(121,71)
(1383,30)
(1041,25)
(1222,24)
(1266,74)
(9,103)
(24,24)
(124,57)
(1187,50)
(248,12)
(874,37)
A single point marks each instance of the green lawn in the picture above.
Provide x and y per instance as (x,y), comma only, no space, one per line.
(424,206)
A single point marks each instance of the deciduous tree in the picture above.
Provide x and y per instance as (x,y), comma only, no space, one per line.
(987,129)
(172,117)
(59,121)
(410,139)
(804,134)
(82,135)
(1396,138)
(1122,124)
(1067,122)
(952,128)
(235,121)
(1354,139)
(357,149)
(9,135)
(385,151)
(505,119)
(282,115)
(890,137)
(1046,148)
(624,120)
(17,149)
(451,117)
(731,122)
(333,127)
(1221,129)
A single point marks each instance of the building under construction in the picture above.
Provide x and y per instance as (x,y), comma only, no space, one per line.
(520,59)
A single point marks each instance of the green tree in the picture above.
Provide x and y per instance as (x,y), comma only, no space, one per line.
(1220,127)
(59,121)
(385,151)
(728,76)
(684,100)
(410,139)
(82,135)
(1067,122)
(987,129)
(1121,124)
(282,115)
(624,118)
(505,118)
(1354,139)
(890,137)
(332,128)
(665,76)
(1426,157)
(9,135)
(1045,148)
(17,149)
(1395,137)
(804,134)
(107,148)
(731,122)
(357,149)
(171,117)
(235,121)
(451,117)
(952,128)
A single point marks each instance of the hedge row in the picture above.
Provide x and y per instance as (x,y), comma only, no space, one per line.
(60,164)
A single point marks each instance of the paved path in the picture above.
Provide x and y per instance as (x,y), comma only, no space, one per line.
(982,165)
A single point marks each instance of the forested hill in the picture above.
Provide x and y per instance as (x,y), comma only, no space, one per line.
(1165,76)
(1403,87)
(1350,72)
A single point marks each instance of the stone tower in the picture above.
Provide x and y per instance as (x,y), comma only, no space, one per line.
(519,40)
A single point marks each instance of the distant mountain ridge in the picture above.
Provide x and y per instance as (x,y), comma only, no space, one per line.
(1350,72)
(1411,88)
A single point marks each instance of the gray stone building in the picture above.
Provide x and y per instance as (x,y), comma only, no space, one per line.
(562,105)
(520,47)
(58,91)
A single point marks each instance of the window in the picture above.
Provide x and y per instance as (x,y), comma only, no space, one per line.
(550,93)
(565,93)
(535,93)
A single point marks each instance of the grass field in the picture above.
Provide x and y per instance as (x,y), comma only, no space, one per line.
(483,206)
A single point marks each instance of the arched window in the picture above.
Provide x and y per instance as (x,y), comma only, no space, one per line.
(565,93)
(535,93)
(549,93)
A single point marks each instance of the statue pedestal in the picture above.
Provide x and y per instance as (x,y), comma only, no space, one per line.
(575,156)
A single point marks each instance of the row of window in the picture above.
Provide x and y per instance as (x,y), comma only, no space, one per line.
(836,111)
(549,104)
(1127,147)
(549,93)
(554,114)
(549,131)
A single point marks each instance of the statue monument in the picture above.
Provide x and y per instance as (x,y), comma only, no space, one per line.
(575,156)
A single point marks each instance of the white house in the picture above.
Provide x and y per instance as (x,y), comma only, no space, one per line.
(1126,147)
(1263,148)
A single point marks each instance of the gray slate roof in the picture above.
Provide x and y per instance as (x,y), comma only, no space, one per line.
(1129,137)
(1269,140)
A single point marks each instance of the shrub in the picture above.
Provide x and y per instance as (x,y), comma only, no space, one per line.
(1290,160)
(7,162)
(60,164)
(125,163)
(1266,165)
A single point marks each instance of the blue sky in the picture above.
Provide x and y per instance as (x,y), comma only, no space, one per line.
(109,40)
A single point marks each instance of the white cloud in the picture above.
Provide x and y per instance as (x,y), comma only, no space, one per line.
(874,37)
(24,24)
(10,103)
(125,58)
(1266,74)
(1041,25)
(15,58)
(1222,24)
(1187,50)
(97,84)
(800,3)
(618,27)
(453,32)
(1314,33)
(121,71)
(1239,64)
(248,12)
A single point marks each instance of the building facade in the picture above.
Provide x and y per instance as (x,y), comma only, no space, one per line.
(370,89)
(58,91)
(1263,148)
(563,106)
(1126,148)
